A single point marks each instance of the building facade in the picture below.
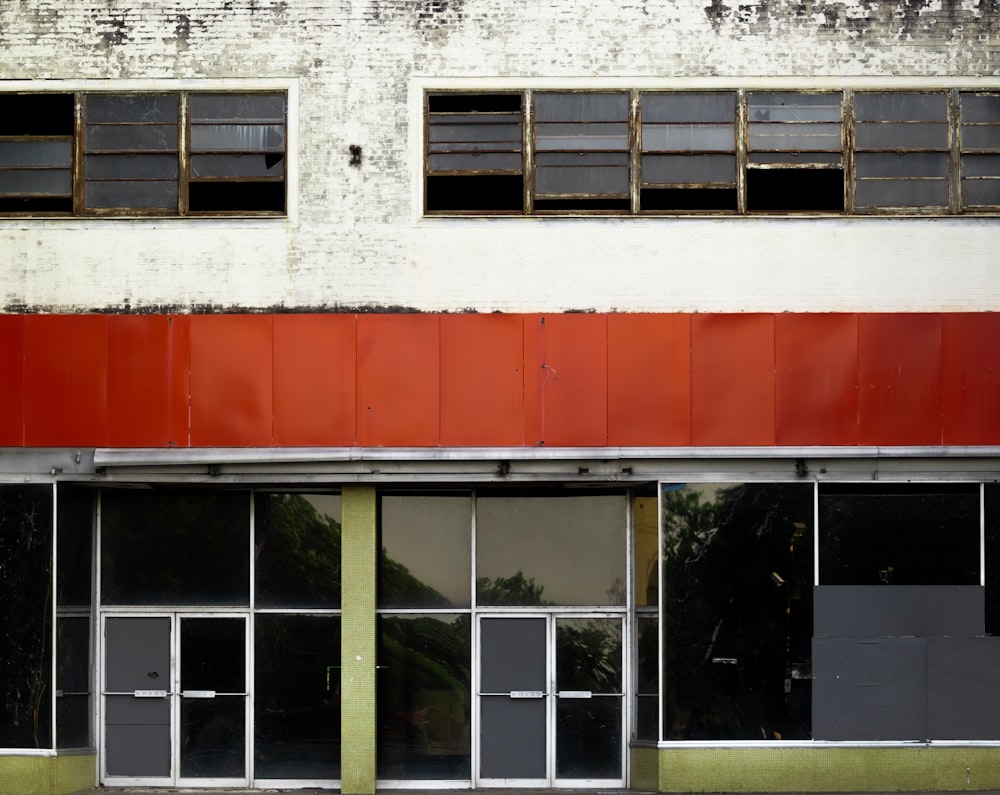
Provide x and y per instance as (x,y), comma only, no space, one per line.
(415,393)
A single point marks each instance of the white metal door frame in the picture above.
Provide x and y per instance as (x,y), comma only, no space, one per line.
(551,696)
(172,691)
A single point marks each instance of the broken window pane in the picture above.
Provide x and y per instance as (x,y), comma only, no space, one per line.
(220,180)
(795,145)
(36,152)
(676,130)
(474,157)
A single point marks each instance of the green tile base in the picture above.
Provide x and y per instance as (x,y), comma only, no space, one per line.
(823,769)
(46,775)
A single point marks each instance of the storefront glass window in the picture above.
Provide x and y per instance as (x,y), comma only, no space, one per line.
(297,550)
(297,705)
(426,552)
(74,592)
(551,550)
(179,548)
(737,610)
(26,617)
(424,697)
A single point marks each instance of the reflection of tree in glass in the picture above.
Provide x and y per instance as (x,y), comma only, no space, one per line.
(738,612)
(589,655)
(25,621)
(424,695)
(298,553)
(399,588)
(514,590)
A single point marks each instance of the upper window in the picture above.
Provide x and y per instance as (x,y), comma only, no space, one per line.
(142,153)
(739,151)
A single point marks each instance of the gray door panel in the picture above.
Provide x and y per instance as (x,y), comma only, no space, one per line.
(137,729)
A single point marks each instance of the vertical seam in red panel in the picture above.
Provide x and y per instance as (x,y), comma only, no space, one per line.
(774,380)
(24,375)
(357,380)
(270,319)
(607,379)
(940,381)
(857,378)
(520,398)
(440,366)
(689,320)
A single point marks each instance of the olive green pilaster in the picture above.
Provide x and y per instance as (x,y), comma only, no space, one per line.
(358,641)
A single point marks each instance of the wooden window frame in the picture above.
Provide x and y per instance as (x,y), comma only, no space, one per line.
(182,153)
(846,156)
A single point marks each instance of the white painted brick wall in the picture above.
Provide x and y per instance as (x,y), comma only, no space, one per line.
(358,241)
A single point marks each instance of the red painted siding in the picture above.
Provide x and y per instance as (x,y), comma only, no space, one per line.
(816,379)
(11,380)
(732,380)
(500,380)
(65,380)
(315,380)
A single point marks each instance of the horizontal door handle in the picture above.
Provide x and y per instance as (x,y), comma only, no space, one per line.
(575,694)
(527,693)
(150,693)
(197,694)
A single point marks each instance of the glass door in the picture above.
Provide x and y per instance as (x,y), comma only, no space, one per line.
(551,701)
(589,702)
(175,700)
(212,689)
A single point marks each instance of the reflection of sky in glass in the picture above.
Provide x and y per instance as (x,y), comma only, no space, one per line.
(572,546)
(326,505)
(432,538)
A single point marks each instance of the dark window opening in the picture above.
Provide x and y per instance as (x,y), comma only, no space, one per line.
(36,153)
(474,153)
(795,190)
(235,197)
(475,193)
(32,204)
(36,114)
(688,199)
(474,103)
